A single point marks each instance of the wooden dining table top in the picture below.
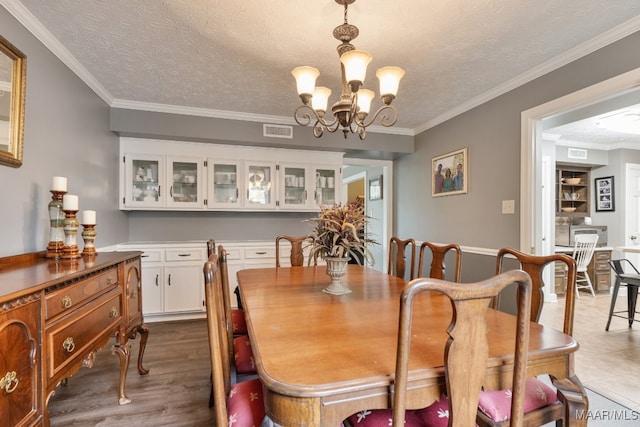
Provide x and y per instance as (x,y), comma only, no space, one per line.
(309,344)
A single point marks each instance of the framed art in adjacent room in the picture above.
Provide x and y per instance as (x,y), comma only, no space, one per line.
(449,173)
(375,188)
(605,197)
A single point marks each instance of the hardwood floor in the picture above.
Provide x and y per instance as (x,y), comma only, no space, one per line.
(176,390)
(607,362)
(174,393)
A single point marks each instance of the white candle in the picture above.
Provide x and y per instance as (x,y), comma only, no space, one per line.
(88,218)
(69,202)
(59,183)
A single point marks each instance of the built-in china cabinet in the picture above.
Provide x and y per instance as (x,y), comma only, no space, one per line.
(176,175)
(572,191)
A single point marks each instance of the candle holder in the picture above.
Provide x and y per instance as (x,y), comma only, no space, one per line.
(70,248)
(89,236)
(56,218)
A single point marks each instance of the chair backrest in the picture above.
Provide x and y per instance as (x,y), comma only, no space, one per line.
(583,249)
(467,349)
(397,257)
(534,266)
(438,253)
(297,250)
(225,294)
(620,267)
(220,370)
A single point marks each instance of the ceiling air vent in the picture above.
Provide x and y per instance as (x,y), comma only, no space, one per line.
(277,131)
(577,153)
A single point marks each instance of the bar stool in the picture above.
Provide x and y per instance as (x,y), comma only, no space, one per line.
(632,282)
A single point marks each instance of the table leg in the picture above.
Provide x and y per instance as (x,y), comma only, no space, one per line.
(124,353)
(144,335)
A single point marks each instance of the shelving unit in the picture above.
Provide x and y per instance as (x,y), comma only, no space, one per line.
(572,192)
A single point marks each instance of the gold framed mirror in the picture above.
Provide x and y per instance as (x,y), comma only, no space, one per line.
(13,78)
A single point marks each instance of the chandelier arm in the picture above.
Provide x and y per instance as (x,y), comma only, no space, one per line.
(385,120)
(305,114)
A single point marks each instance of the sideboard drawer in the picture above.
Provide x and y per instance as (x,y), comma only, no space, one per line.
(151,256)
(74,295)
(75,336)
(185,255)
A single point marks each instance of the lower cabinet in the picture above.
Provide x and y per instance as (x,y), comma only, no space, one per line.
(172,278)
(599,272)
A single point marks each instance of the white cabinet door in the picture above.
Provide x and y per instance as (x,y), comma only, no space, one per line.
(152,283)
(225,184)
(259,182)
(296,186)
(185,183)
(143,181)
(182,289)
(327,186)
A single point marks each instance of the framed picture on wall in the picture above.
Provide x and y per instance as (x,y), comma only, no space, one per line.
(449,173)
(604,192)
(375,188)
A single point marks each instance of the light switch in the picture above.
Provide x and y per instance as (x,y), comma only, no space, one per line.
(508,206)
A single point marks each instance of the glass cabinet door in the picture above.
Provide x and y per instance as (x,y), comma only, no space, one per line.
(143,183)
(259,185)
(294,183)
(185,185)
(224,184)
(326,193)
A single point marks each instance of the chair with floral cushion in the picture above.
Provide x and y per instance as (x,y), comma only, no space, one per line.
(240,404)
(297,250)
(398,249)
(494,403)
(465,355)
(438,254)
(239,356)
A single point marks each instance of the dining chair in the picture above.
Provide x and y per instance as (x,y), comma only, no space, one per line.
(240,404)
(465,354)
(534,265)
(438,254)
(626,275)
(583,249)
(397,264)
(239,356)
(297,250)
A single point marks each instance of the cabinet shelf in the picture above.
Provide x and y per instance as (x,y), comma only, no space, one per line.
(572,192)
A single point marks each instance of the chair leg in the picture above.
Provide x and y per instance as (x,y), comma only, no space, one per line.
(587,286)
(614,296)
(632,297)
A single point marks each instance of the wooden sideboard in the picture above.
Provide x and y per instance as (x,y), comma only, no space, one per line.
(54,316)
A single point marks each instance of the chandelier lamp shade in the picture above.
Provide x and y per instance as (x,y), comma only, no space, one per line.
(351,111)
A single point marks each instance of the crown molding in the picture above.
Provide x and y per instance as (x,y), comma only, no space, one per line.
(604,39)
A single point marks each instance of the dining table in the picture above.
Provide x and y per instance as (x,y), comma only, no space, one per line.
(323,357)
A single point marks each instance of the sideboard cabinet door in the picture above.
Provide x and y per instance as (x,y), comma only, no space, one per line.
(19,364)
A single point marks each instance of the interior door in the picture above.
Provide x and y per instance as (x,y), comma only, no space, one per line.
(632,211)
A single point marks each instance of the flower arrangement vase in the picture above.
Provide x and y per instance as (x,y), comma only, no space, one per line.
(336,268)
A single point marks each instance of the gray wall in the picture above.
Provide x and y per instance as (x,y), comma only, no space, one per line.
(66,134)
(492,133)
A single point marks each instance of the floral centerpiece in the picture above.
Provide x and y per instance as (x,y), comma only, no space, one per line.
(339,235)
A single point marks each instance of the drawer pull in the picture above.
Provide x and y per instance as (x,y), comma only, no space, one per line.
(184,254)
(109,281)
(157,279)
(9,382)
(66,302)
(113,313)
(69,345)
(261,253)
(144,256)
(169,280)
(132,295)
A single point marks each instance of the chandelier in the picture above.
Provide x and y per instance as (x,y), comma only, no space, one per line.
(351,112)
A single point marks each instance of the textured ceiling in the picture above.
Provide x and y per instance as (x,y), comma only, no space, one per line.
(231,57)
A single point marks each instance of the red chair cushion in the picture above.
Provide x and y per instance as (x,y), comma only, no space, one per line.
(246,404)
(497,403)
(436,414)
(243,355)
(238,323)
(382,418)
